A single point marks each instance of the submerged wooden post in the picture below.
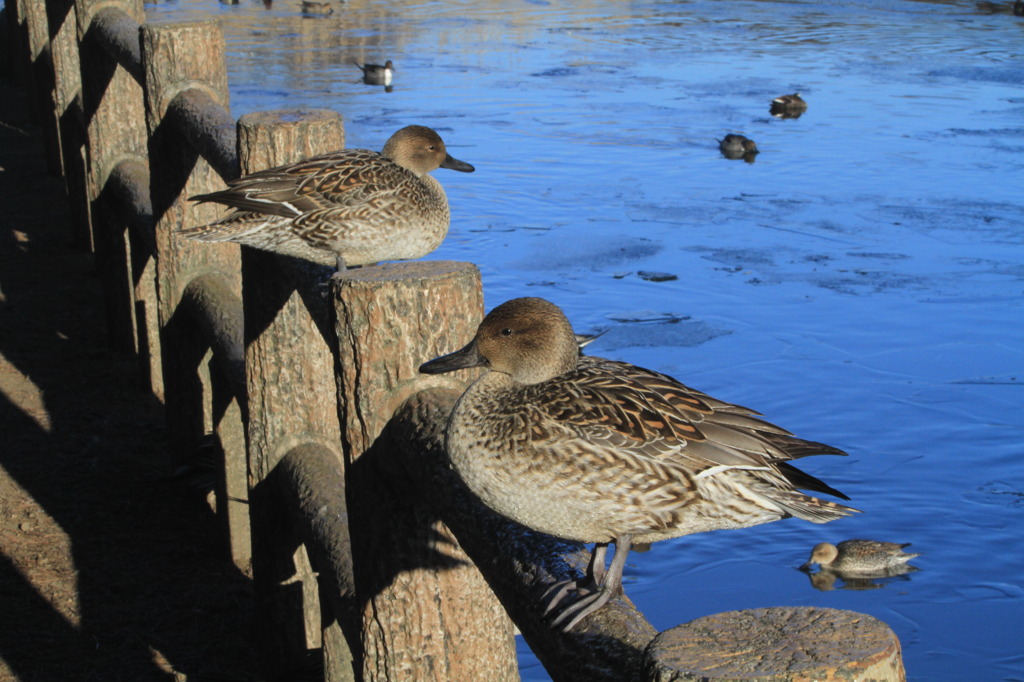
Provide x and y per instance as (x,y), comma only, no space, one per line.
(776,645)
(427,613)
(292,406)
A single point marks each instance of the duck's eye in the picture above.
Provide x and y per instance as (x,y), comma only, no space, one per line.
(506,332)
(431,147)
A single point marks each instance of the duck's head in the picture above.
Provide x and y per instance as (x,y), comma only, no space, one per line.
(823,554)
(421,150)
(529,339)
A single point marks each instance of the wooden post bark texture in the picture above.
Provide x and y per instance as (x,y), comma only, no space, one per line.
(33,41)
(292,404)
(177,58)
(70,117)
(777,645)
(427,613)
(115,123)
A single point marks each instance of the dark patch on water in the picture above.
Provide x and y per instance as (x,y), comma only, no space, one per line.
(594,255)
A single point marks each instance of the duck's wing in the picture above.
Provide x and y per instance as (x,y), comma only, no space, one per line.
(646,414)
(343,178)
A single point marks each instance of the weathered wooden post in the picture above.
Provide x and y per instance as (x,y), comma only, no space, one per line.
(293,416)
(115,122)
(776,645)
(192,144)
(427,613)
(67,100)
(32,38)
(180,60)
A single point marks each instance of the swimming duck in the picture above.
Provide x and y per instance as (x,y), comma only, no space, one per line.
(596,450)
(316,8)
(349,207)
(788,106)
(377,74)
(859,556)
(735,146)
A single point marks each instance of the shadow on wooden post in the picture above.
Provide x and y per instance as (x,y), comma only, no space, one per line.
(427,613)
(34,66)
(115,122)
(177,57)
(293,421)
(520,565)
(67,100)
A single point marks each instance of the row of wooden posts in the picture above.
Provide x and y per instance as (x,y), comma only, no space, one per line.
(333,488)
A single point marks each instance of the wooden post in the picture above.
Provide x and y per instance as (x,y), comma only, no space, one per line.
(427,613)
(116,130)
(34,38)
(70,117)
(289,355)
(176,58)
(798,644)
(186,100)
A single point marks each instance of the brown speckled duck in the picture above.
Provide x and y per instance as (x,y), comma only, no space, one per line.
(600,451)
(859,556)
(350,207)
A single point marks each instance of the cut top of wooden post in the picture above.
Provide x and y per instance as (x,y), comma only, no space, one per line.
(775,645)
(391,319)
(272,138)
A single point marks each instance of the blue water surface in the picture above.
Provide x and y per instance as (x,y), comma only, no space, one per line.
(861,283)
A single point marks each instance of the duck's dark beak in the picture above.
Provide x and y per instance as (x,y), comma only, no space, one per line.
(806,568)
(454,164)
(464,358)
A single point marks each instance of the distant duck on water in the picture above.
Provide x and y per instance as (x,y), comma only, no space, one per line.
(859,556)
(317,8)
(377,74)
(734,146)
(601,451)
(788,106)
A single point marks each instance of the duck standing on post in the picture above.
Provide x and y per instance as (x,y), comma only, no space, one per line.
(349,207)
(600,451)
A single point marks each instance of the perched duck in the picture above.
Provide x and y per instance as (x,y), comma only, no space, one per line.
(859,556)
(377,74)
(350,207)
(735,146)
(788,106)
(600,451)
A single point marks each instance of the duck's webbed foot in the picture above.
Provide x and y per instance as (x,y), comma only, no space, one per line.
(592,591)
